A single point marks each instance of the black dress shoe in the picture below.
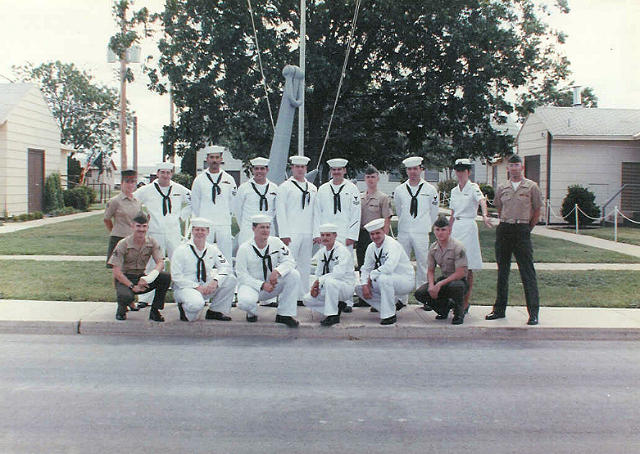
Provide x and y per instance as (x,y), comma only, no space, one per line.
(389,320)
(442,316)
(121,316)
(252,318)
(457,320)
(300,303)
(155,315)
(183,316)
(330,320)
(494,315)
(427,308)
(133,308)
(533,320)
(399,305)
(341,307)
(213,315)
(287,320)
(274,304)
(142,304)
(360,303)
(347,309)
(373,309)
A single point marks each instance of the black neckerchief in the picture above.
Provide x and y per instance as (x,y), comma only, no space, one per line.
(336,199)
(378,259)
(166,201)
(306,196)
(201,273)
(215,189)
(325,261)
(266,261)
(263,198)
(413,208)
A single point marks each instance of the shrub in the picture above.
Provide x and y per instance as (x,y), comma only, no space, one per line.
(488,192)
(64,211)
(444,189)
(91,194)
(585,199)
(184,179)
(77,198)
(53,199)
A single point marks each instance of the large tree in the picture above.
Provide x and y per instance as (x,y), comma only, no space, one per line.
(86,111)
(432,78)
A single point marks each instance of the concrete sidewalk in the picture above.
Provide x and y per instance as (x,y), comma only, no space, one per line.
(17,226)
(97,318)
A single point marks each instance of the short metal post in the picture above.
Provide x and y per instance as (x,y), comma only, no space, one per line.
(615,223)
(575,208)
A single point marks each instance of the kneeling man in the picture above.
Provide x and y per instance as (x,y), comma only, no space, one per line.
(449,254)
(129,259)
(266,269)
(201,273)
(334,282)
(386,275)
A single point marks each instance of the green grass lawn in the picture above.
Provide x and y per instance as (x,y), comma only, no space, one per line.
(91,281)
(87,236)
(629,235)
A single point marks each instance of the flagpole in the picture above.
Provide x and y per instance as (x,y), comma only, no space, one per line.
(303,34)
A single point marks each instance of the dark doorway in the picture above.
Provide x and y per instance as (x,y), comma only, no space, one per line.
(532,168)
(35,179)
(630,197)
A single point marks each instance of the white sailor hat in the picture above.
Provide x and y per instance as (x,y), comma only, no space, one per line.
(260,219)
(413,161)
(462,164)
(214,149)
(374,225)
(337,163)
(259,161)
(201,222)
(299,160)
(328,228)
(165,165)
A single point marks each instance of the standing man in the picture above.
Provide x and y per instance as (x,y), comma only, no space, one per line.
(375,205)
(518,202)
(266,269)
(417,208)
(129,259)
(334,277)
(294,213)
(449,254)
(121,210)
(338,202)
(212,197)
(167,202)
(256,196)
(201,273)
(386,275)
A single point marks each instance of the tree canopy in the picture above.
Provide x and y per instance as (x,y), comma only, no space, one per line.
(86,111)
(431,78)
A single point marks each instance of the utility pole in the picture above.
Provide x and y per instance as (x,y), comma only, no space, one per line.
(303,39)
(123,110)
(135,143)
(172,156)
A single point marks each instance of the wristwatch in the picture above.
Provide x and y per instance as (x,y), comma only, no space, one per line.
(131,286)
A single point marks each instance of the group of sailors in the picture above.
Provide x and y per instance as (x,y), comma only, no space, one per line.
(279,226)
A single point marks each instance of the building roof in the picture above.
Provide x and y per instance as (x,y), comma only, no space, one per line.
(10,96)
(590,122)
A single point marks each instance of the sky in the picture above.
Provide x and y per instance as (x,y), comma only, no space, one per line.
(601,45)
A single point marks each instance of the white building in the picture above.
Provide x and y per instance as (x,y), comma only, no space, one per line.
(30,148)
(592,147)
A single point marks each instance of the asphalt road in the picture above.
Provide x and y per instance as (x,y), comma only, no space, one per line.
(82,394)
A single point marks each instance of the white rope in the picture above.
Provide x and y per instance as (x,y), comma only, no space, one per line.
(624,217)
(342,74)
(264,80)
(586,215)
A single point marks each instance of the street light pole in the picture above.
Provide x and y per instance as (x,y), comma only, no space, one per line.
(123,112)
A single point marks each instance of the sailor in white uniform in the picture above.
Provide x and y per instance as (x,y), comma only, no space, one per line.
(335,280)
(166,202)
(266,269)
(256,196)
(201,273)
(416,204)
(464,202)
(386,275)
(294,213)
(212,196)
